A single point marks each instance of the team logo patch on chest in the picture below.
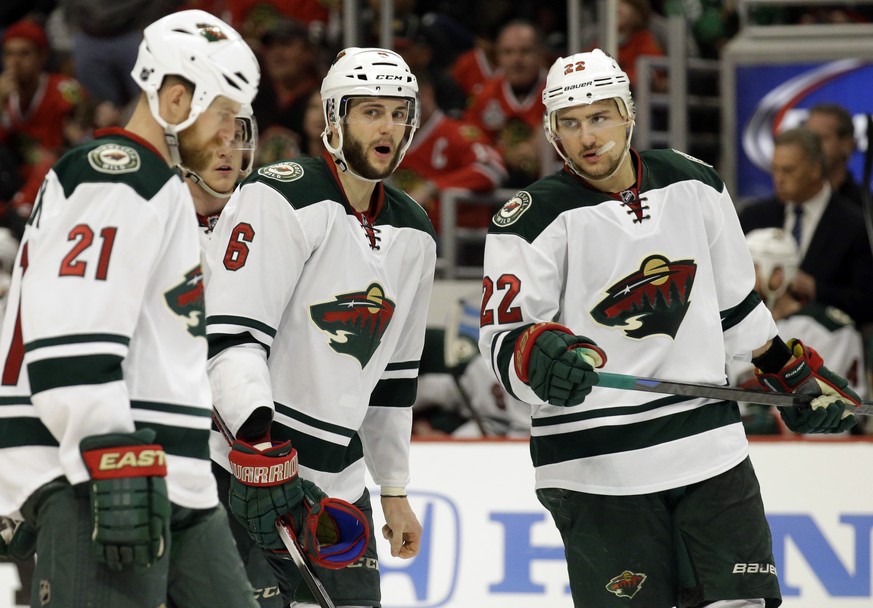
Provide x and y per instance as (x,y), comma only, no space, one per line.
(627,584)
(355,321)
(186,300)
(283,172)
(652,300)
(114,159)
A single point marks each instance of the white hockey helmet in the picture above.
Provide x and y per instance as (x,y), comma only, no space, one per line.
(585,78)
(366,72)
(773,248)
(205,51)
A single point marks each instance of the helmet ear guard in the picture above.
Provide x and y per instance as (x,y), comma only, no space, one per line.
(366,72)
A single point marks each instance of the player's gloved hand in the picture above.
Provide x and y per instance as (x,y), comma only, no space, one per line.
(17,539)
(332,532)
(130,509)
(831,411)
(556,364)
(265,487)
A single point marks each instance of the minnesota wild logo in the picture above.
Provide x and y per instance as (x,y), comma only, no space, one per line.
(627,584)
(211,32)
(355,321)
(652,300)
(186,300)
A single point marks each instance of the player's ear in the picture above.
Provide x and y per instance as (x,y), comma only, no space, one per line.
(175,101)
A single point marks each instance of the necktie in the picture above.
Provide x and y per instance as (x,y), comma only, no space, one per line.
(797,230)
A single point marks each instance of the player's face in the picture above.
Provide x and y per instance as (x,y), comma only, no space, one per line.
(584,130)
(214,128)
(796,179)
(375,128)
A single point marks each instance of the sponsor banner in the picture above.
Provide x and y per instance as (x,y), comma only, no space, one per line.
(774,97)
(489,543)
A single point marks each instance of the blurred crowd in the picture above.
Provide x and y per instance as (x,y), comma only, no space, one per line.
(481,70)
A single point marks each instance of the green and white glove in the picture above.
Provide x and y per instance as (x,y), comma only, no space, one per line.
(17,539)
(265,487)
(130,510)
(831,411)
(556,364)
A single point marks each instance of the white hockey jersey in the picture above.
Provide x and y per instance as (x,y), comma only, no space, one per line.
(109,334)
(663,282)
(319,313)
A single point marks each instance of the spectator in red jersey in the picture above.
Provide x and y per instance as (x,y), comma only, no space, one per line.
(448,153)
(35,106)
(473,68)
(636,39)
(509,108)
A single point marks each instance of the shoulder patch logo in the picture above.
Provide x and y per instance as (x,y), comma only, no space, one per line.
(114,159)
(691,158)
(355,321)
(283,172)
(627,584)
(512,209)
(652,300)
(186,300)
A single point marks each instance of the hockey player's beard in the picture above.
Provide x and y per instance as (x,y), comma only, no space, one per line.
(356,157)
(196,156)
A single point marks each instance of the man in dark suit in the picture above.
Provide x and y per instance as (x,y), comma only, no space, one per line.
(837,264)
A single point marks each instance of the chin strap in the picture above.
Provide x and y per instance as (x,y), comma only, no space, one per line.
(202,183)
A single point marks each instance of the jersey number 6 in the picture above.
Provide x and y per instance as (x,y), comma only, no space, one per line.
(237,250)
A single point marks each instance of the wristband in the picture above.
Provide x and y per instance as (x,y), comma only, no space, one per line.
(774,358)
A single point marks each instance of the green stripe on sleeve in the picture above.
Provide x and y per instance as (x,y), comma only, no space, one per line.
(179,441)
(735,315)
(76,339)
(241,322)
(394,392)
(73,371)
(314,422)
(24,431)
(318,454)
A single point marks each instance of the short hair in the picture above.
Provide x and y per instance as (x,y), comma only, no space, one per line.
(809,143)
(845,126)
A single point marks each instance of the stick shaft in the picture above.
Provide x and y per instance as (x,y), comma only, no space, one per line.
(711,391)
(309,577)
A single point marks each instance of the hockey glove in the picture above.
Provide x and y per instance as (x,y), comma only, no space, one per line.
(556,364)
(332,532)
(130,509)
(265,487)
(830,412)
(17,539)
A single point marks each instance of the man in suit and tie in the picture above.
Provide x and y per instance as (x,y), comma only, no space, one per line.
(836,266)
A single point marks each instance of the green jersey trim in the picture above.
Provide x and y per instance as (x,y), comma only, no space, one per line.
(734,316)
(171,408)
(314,422)
(394,392)
(241,322)
(140,168)
(23,431)
(74,371)
(604,440)
(180,441)
(318,454)
(76,339)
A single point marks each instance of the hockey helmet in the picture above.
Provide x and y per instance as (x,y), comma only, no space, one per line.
(585,78)
(366,72)
(773,248)
(202,49)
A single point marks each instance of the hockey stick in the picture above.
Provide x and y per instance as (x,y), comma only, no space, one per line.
(309,577)
(712,391)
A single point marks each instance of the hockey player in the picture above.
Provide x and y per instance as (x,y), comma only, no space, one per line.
(324,354)
(212,177)
(105,450)
(639,256)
